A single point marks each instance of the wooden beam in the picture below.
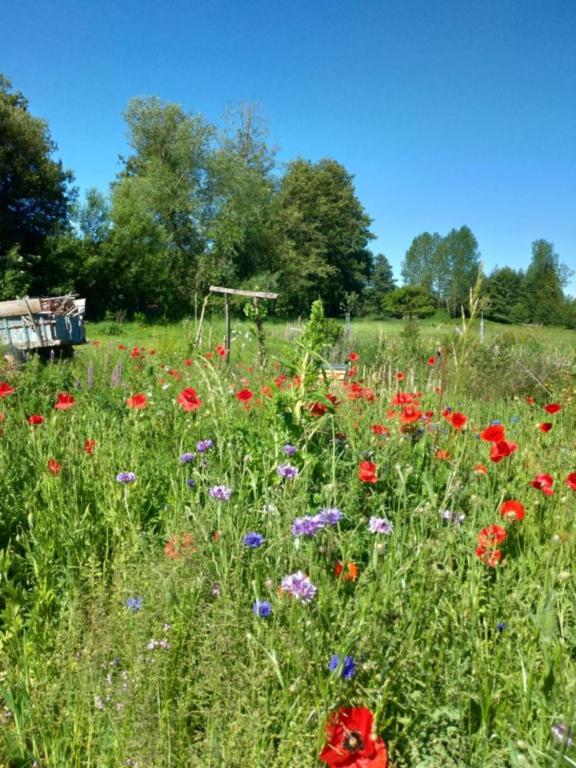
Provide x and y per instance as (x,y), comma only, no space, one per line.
(239,292)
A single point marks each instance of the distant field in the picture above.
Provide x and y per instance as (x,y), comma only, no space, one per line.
(179,336)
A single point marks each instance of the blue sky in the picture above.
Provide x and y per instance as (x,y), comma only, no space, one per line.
(447,113)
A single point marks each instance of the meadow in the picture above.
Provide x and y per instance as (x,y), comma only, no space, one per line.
(266,564)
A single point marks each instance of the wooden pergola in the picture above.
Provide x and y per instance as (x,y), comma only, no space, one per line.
(226,292)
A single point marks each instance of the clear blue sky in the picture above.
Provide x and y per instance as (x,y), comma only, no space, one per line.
(447,112)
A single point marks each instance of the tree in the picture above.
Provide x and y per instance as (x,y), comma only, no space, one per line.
(505,296)
(35,190)
(381,282)
(419,265)
(408,301)
(322,232)
(444,267)
(160,206)
(240,245)
(461,259)
(545,278)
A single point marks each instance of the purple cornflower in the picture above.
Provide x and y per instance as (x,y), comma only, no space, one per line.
(191,483)
(126,477)
(330,515)
(290,450)
(562,734)
(133,604)
(204,445)
(380,525)
(456,518)
(346,665)
(299,586)
(186,458)
(262,608)
(307,526)
(220,492)
(253,540)
(287,471)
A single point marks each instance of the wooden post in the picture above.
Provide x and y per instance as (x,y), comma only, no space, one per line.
(199,329)
(227,324)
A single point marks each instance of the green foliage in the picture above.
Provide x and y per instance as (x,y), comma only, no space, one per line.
(193,677)
(322,233)
(35,190)
(409,301)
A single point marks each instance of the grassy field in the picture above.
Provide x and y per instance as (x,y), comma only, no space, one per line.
(201,565)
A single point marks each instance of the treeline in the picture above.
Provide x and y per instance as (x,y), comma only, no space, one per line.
(441,271)
(195,204)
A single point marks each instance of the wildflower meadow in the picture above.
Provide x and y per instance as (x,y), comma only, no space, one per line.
(250,563)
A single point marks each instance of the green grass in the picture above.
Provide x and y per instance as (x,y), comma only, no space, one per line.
(194,677)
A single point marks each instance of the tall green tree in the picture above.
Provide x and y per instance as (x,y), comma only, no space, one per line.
(160,205)
(444,267)
(242,186)
(322,233)
(461,258)
(506,300)
(419,264)
(35,193)
(381,281)
(545,278)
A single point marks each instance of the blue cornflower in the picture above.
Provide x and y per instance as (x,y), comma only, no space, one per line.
(330,515)
(262,608)
(220,492)
(204,445)
(501,626)
(514,419)
(253,540)
(290,450)
(191,483)
(187,457)
(495,422)
(133,604)
(287,471)
(347,665)
(126,477)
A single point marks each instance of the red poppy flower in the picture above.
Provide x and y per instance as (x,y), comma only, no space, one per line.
(409,414)
(64,401)
(351,743)
(512,510)
(188,362)
(458,420)
(245,395)
(36,419)
(546,426)
(137,402)
(346,571)
(221,350)
(152,352)
(493,434)
(530,400)
(318,409)
(179,546)
(431,360)
(367,472)
(571,481)
(543,483)
(279,380)
(89,446)
(266,391)
(488,556)
(480,469)
(442,455)
(552,407)
(54,467)
(189,400)
(380,429)
(399,376)
(403,398)
(353,356)
(6,389)
(122,346)
(135,352)
(501,449)
(491,536)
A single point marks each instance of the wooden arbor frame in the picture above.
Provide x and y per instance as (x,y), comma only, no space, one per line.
(226,292)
